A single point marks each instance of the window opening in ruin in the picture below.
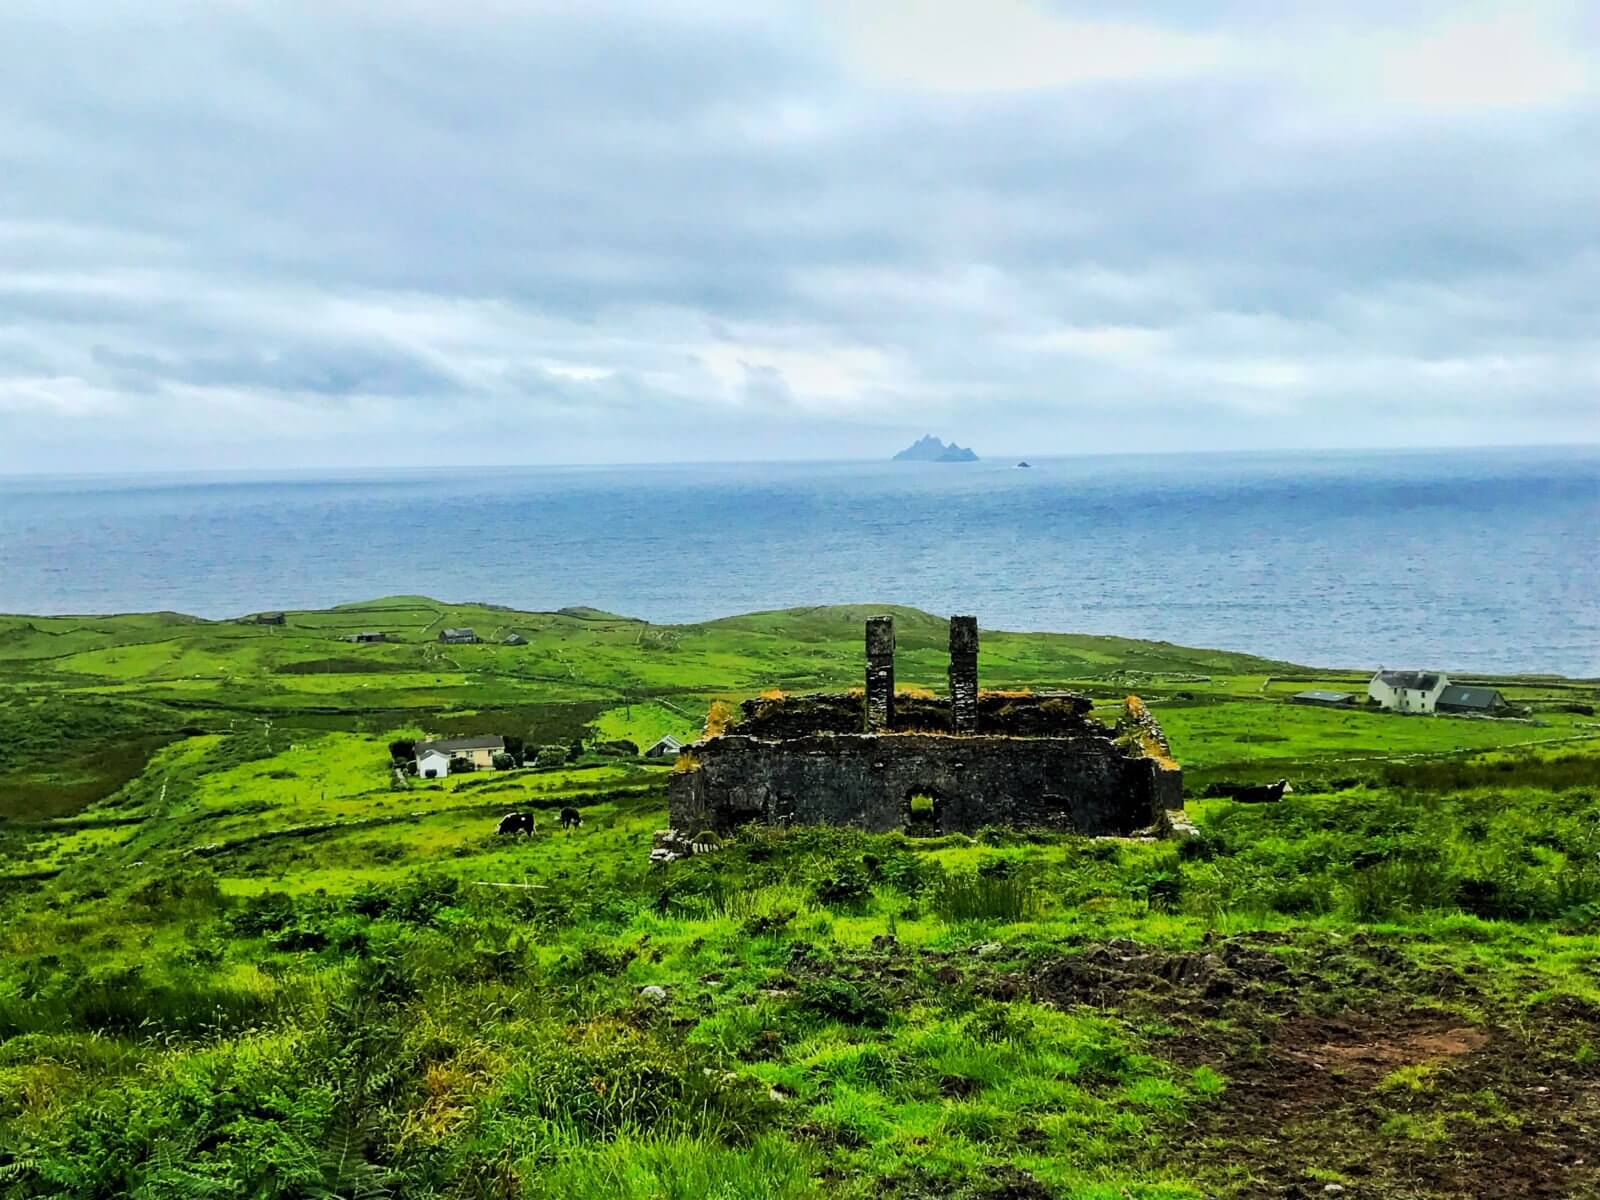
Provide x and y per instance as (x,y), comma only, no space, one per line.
(922,814)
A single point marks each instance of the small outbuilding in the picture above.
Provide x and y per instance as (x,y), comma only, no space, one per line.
(1466,698)
(1325,699)
(267,618)
(368,635)
(667,746)
(433,764)
(515,639)
(457,637)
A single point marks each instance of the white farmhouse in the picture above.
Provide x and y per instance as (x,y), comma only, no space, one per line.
(1407,691)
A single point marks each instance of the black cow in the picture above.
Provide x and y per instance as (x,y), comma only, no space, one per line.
(517,822)
(1266,793)
(571,818)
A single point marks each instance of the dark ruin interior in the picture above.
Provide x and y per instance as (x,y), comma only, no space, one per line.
(884,761)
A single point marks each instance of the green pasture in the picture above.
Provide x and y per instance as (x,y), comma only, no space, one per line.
(239,957)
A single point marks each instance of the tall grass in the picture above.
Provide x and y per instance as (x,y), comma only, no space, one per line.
(645,1167)
(981,897)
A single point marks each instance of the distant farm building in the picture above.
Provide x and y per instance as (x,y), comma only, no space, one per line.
(515,639)
(1407,691)
(368,635)
(667,746)
(433,758)
(1325,699)
(1463,698)
(269,618)
(457,637)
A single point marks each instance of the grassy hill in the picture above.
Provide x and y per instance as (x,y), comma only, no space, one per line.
(239,956)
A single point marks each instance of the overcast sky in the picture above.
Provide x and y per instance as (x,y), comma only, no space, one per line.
(302,233)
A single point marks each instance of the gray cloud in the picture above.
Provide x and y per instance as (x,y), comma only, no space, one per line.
(252,232)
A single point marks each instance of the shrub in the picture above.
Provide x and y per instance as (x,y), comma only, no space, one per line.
(1301,897)
(1389,887)
(503,761)
(901,870)
(551,756)
(1161,889)
(415,901)
(266,913)
(844,1001)
(184,886)
(605,1078)
(1202,848)
(845,886)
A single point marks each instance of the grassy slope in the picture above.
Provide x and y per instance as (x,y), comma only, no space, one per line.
(285,972)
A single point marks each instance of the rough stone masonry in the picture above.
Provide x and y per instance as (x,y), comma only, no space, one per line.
(1023,760)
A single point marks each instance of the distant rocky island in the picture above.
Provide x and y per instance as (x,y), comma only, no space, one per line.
(931,449)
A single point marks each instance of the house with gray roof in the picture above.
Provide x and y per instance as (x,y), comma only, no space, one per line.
(1471,698)
(1407,691)
(434,757)
(668,746)
(457,637)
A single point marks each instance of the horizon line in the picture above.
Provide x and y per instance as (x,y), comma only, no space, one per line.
(1300,451)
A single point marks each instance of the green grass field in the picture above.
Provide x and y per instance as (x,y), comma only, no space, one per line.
(239,957)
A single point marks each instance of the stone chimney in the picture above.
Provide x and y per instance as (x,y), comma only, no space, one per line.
(880,674)
(964,674)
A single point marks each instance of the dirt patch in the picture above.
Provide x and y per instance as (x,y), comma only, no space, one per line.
(1003,1183)
(1344,1065)
(1353,1051)
(1117,973)
(1481,1114)
(1307,1064)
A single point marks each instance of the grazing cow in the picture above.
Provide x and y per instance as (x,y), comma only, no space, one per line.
(1266,793)
(571,818)
(517,822)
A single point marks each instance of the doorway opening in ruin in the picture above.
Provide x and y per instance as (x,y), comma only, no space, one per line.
(921,814)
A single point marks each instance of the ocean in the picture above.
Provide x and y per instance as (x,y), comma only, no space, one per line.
(1464,561)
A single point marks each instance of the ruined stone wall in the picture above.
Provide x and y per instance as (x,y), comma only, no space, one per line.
(1139,729)
(1085,784)
(798,716)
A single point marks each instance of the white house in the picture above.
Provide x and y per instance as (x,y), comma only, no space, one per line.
(668,745)
(433,764)
(1407,691)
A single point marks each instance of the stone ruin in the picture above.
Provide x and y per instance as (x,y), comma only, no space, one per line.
(883,761)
